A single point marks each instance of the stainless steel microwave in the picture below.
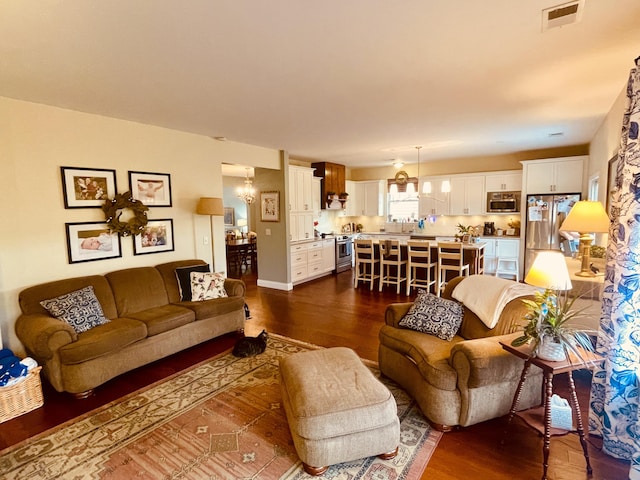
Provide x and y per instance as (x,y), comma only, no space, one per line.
(503,202)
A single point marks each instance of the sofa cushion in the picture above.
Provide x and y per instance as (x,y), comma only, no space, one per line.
(213,308)
(166,317)
(183,275)
(207,286)
(103,339)
(137,289)
(168,273)
(434,315)
(80,309)
(429,353)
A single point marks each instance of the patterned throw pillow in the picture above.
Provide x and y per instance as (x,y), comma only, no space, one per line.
(183,274)
(434,315)
(205,286)
(80,309)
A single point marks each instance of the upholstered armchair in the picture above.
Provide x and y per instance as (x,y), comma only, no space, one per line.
(466,380)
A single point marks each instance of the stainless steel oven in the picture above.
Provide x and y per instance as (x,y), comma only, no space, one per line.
(344,252)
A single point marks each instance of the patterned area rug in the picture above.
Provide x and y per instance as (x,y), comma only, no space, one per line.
(222,419)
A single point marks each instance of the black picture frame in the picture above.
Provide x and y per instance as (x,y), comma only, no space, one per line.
(156,237)
(152,189)
(87,187)
(91,241)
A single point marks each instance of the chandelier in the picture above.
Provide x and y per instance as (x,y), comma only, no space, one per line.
(247,193)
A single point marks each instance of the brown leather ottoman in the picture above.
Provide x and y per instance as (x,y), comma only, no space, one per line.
(337,410)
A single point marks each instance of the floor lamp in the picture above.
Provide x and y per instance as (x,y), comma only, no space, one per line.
(586,217)
(212,207)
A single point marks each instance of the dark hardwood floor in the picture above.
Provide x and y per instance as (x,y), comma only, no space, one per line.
(330,312)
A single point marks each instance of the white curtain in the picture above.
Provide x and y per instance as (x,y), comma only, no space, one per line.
(614,407)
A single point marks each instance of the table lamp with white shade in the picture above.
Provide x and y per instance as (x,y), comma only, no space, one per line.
(242,223)
(586,217)
(549,271)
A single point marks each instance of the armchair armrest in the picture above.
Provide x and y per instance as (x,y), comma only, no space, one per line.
(234,287)
(394,313)
(483,361)
(42,335)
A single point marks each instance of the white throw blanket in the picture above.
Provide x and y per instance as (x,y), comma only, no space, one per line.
(486,295)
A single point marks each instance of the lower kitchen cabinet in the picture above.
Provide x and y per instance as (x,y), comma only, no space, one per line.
(500,247)
(312,259)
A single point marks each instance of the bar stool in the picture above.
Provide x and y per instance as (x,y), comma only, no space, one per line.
(391,256)
(450,259)
(507,266)
(419,258)
(366,262)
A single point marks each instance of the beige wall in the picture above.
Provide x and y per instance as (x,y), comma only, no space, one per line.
(37,139)
(466,165)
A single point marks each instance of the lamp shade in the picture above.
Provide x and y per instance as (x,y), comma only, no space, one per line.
(549,270)
(586,216)
(210,206)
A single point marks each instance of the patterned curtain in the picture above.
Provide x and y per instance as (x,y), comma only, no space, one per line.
(614,413)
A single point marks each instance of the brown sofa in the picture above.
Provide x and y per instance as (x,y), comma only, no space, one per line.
(147,322)
(462,382)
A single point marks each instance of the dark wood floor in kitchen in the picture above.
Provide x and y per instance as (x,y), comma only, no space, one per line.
(330,312)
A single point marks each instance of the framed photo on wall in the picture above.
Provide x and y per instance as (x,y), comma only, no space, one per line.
(87,187)
(157,236)
(90,241)
(229,216)
(152,189)
(270,206)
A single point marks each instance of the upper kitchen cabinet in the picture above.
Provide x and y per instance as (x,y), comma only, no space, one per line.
(507,181)
(434,197)
(332,179)
(300,188)
(367,199)
(554,175)
(467,195)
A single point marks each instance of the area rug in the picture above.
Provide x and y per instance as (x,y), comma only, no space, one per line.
(221,419)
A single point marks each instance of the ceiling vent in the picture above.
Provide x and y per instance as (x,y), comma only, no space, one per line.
(562,15)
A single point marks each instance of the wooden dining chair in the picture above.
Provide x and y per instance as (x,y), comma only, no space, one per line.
(366,262)
(450,259)
(392,265)
(420,265)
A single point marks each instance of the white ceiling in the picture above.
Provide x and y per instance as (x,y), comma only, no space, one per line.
(357,82)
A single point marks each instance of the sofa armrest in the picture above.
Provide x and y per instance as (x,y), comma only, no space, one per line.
(394,313)
(234,287)
(483,361)
(42,335)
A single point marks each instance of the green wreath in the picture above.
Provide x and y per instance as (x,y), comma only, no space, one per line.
(124,200)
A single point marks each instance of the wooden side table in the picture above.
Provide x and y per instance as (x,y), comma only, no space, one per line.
(540,418)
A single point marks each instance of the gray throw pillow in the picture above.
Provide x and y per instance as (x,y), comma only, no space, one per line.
(434,315)
(80,309)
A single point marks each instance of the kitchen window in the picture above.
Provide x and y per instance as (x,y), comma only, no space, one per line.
(402,199)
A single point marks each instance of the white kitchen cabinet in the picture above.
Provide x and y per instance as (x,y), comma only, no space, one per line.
(435,202)
(368,198)
(350,206)
(315,195)
(467,195)
(329,255)
(301,205)
(554,175)
(498,247)
(507,181)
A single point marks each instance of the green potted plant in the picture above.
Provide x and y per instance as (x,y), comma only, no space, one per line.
(549,327)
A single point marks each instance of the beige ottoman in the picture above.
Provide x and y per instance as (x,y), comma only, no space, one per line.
(337,410)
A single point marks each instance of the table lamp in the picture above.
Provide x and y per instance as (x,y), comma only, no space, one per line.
(586,217)
(242,223)
(549,271)
(213,207)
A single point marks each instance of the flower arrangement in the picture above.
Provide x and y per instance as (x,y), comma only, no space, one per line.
(547,321)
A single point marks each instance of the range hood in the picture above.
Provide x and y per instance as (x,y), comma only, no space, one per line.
(332,180)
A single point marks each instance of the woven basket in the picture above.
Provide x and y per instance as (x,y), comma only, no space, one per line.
(22,397)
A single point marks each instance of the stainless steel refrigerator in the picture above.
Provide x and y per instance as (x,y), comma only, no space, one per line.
(545,214)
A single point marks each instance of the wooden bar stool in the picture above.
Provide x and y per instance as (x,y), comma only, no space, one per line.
(366,262)
(450,259)
(390,258)
(419,258)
